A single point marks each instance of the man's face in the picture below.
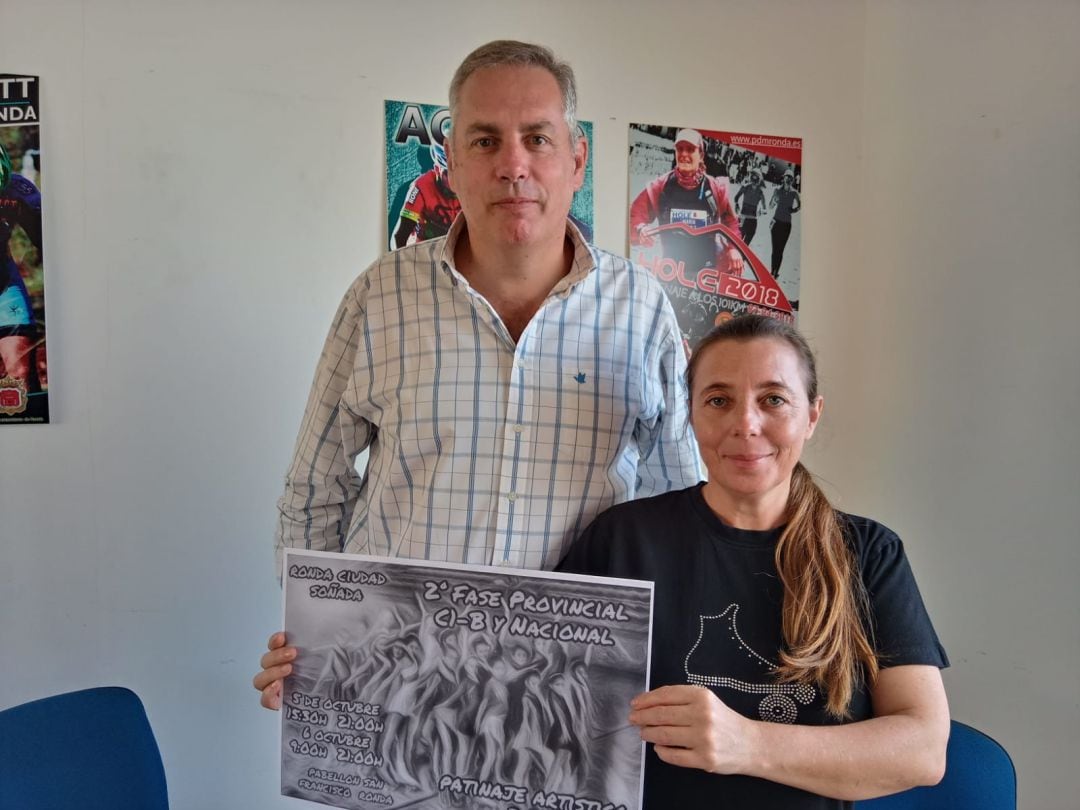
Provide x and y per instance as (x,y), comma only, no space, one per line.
(687,156)
(511,160)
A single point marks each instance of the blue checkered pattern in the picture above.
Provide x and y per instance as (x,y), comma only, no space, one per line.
(483,450)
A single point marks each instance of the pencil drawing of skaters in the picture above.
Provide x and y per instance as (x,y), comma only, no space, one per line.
(451,745)
(354,687)
(571,708)
(370,680)
(491,717)
(402,690)
(340,660)
(441,677)
(530,723)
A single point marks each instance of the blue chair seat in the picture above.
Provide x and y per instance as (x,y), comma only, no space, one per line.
(979,775)
(90,750)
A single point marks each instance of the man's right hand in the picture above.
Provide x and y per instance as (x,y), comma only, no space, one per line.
(276,665)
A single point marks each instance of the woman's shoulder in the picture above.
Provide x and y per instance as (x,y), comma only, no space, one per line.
(632,534)
(674,501)
(878,549)
(642,519)
(867,536)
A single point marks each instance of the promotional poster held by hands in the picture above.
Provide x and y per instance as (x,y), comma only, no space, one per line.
(429,685)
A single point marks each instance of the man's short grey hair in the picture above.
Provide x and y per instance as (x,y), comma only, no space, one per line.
(509,52)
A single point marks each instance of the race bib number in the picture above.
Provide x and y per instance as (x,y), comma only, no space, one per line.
(694,217)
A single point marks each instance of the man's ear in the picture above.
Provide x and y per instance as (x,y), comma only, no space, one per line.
(449,163)
(581,158)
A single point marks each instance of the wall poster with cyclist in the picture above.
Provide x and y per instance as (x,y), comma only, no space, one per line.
(24,381)
(420,204)
(714,216)
(433,685)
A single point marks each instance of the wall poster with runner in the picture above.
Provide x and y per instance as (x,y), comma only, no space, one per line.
(714,216)
(24,383)
(420,204)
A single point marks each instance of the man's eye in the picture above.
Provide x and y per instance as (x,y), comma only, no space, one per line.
(716,402)
(774,400)
(538,140)
(484,143)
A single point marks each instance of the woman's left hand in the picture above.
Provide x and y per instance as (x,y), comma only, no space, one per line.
(902,746)
(691,727)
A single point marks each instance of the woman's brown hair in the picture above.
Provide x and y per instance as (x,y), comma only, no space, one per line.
(825,609)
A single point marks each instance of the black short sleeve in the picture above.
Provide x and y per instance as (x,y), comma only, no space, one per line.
(589,553)
(902,631)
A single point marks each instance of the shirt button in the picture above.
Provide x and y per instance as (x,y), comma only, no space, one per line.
(511,497)
(518,428)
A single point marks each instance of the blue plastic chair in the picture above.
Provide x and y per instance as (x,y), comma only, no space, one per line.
(90,750)
(979,775)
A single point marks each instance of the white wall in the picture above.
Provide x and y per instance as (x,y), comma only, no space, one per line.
(213,177)
(967,386)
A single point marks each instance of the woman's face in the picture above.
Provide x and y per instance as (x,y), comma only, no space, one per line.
(751,416)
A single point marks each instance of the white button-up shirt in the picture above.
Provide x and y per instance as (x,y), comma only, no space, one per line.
(483,450)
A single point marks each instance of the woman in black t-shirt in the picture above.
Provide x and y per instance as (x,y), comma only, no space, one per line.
(793,663)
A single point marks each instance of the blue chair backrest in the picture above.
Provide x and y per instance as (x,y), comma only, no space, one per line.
(88,750)
(979,775)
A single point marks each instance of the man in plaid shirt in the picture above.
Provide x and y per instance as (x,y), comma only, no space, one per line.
(509,381)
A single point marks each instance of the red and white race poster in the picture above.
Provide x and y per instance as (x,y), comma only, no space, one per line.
(714,216)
